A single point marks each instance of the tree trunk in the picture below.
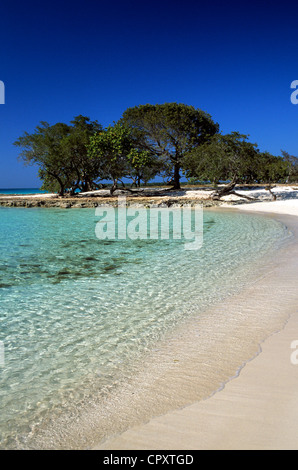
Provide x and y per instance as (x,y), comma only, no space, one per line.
(177,176)
(62,185)
(229,189)
(61,192)
(269,188)
(224,191)
(114,187)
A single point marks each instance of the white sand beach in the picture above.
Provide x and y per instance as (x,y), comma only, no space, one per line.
(258,408)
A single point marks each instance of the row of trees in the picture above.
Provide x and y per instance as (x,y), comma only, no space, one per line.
(169,140)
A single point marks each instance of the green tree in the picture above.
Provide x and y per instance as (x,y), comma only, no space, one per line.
(271,169)
(85,169)
(143,166)
(110,149)
(60,152)
(292,163)
(169,131)
(227,157)
(118,157)
(45,148)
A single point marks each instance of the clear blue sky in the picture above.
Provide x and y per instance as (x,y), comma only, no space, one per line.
(234,60)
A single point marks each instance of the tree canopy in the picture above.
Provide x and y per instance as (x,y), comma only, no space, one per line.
(223,157)
(60,151)
(233,158)
(167,139)
(169,131)
(292,164)
(119,157)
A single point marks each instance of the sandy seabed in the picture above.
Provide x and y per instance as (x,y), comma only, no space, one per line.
(241,384)
(257,408)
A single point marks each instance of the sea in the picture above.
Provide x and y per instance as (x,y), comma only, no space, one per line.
(80,315)
(21,191)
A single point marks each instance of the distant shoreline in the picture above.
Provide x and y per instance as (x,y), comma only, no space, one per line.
(152,197)
(20,191)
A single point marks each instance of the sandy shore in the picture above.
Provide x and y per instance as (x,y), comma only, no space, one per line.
(258,408)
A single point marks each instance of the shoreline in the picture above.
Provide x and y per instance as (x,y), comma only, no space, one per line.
(155,198)
(210,424)
(256,407)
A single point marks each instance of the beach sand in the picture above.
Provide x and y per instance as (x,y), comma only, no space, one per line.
(258,407)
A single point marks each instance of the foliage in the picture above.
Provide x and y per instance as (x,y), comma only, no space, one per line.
(61,154)
(143,166)
(169,131)
(110,148)
(45,148)
(271,169)
(118,157)
(292,164)
(224,157)
(231,158)
(149,140)
(84,169)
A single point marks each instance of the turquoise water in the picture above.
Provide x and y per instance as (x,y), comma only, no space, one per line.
(21,191)
(77,313)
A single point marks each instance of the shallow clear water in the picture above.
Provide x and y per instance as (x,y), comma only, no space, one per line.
(77,313)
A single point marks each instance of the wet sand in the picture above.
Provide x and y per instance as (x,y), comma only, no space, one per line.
(257,408)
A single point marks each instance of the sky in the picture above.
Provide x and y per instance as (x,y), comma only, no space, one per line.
(234,60)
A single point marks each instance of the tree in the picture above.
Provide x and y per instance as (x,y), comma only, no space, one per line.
(119,157)
(169,131)
(271,169)
(292,163)
(84,168)
(227,157)
(110,148)
(60,151)
(45,148)
(143,166)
